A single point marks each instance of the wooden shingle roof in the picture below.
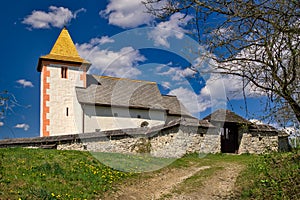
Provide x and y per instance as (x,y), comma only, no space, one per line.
(63,50)
(174,106)
(122,92)
(262,128)
(222,115)
(112,91)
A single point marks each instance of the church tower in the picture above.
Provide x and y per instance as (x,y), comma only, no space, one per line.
(61,71)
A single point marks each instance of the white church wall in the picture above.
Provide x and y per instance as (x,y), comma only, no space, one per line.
(107,118)
(41,104)
(64,110)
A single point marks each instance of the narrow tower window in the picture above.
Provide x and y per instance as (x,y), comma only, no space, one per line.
(64,71)
(67,111)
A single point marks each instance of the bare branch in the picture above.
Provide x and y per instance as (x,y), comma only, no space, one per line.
(256,40)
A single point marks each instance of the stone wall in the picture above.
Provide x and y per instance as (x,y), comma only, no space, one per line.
(211,144)
(173,142)
(177,142)
(259,142)
(72,146)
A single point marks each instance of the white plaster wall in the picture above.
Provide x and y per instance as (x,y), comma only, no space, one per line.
(107,118)
(41,103)
(63,96)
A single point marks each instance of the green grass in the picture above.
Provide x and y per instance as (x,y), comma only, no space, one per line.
(132,163)
(272,176)
(52,174)
(212,159)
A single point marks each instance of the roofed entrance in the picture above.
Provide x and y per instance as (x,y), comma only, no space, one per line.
(229,124)
(229,138)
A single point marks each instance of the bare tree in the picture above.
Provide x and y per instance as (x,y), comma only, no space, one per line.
(256,40)
(7,102)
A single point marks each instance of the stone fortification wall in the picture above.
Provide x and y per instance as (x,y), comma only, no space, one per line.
(177,141)
(172,142)
(259,142)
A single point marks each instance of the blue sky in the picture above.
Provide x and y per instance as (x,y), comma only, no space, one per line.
(120,39)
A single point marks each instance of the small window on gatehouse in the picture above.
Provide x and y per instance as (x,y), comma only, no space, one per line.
(67,111)
(64,72)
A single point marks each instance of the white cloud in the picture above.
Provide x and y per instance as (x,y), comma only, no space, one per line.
(193,102)
(102,40)
(23,126)
(176,73)
(120,63)
(219,87)
(1,123)
(160,67)
(126,13)
(56,17)
(24,83)
(229,86)
(171,28)
(166,85)
(256,121)
(223,33)
(216,92)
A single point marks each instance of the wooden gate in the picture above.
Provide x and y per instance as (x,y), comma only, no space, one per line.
(229,139)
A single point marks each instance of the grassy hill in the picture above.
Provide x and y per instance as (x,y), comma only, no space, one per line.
(272,176)
(54,174)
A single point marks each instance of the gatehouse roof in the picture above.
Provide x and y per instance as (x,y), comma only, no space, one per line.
(223,115)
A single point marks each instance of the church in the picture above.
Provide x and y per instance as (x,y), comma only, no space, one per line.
(73,101)
(81,111)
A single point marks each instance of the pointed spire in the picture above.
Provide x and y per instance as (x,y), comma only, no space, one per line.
(64,45)
(63,50)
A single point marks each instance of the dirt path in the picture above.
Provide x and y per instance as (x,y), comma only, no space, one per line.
(218,186)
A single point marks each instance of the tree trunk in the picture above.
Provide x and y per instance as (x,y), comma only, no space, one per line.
(294,106)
